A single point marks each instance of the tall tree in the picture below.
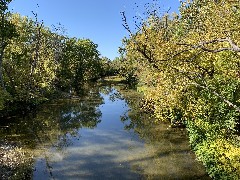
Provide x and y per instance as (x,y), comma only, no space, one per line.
(7,31)
(189,71)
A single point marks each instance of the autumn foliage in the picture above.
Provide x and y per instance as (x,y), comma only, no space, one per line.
(187,67)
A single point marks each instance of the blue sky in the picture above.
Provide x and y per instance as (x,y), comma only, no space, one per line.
(98,20)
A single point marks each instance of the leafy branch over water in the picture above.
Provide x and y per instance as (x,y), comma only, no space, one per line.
(187,67)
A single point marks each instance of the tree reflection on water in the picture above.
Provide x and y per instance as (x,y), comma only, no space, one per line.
(52,125)
(166,153)
(128,145)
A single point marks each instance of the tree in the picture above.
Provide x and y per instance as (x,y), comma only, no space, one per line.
(189,68)
(7,31)
(29,63)
(80,63)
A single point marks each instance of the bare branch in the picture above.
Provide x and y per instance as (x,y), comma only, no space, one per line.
(233,46)
(149,58)
(125,24)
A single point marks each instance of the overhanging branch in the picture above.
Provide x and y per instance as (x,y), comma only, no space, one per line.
(229,103)
(202,45)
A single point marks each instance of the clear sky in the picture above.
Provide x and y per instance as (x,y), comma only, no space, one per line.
(98,20)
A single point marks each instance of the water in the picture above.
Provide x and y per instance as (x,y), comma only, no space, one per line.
(101,135)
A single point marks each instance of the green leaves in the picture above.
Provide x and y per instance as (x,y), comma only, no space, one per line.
(80,63)
(4,5)
(189,71)
(39,61)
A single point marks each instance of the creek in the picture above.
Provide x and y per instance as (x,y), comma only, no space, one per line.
(100,135)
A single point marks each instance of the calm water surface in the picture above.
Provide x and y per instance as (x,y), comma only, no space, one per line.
(98,136)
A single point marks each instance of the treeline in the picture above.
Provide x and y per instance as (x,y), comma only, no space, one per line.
(36,61)
(187,65)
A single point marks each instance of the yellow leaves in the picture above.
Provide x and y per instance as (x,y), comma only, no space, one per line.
(169,68)
(229,154)
(185,72)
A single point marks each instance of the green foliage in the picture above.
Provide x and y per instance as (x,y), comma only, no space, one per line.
(29,62)
(4,5)
(80,63)
(5,96)
(108,67)
(7,32)
(38,61)
(187,67)
(127,70)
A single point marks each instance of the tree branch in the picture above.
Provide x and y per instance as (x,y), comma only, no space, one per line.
(233,46)
(125,24)
(230,104)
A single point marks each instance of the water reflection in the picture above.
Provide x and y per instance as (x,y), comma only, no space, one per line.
(101,135)
(53,125)
(101,153)
(166,153)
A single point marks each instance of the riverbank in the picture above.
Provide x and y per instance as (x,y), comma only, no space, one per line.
(112,80)
(219,152)
(103,129)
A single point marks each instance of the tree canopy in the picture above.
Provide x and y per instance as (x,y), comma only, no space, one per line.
(187,66)
(36,61)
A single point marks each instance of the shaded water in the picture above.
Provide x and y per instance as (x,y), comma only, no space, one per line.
(101,135)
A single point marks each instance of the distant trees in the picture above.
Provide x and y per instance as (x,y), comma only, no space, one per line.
(187,67)
(79,63)
(110,67)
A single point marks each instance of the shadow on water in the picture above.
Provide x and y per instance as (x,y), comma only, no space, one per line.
(166,153)
(54,124)
(101,135)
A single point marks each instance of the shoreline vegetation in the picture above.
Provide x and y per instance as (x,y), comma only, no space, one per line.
(186,66)
(21,109)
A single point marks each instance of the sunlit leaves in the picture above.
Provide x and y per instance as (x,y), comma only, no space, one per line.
(40,61)
(80,63)
(188,70)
